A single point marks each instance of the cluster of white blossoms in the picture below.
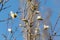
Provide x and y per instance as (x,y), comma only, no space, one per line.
(13,15)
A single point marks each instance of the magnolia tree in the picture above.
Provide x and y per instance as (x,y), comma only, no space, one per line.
(34,24)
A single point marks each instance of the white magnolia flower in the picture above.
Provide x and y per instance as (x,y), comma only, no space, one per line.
(9,29)
(37,12)
(39,18)
(20,25)
(13,15)
(46,27)
(36,30)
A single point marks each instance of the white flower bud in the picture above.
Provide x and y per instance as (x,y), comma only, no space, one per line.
(13,15)
(46,27)
(36,30)
(39,18)
(37,12)
(20,25)
(9,29)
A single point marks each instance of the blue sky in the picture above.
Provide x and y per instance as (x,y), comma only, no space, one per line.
(53,4)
